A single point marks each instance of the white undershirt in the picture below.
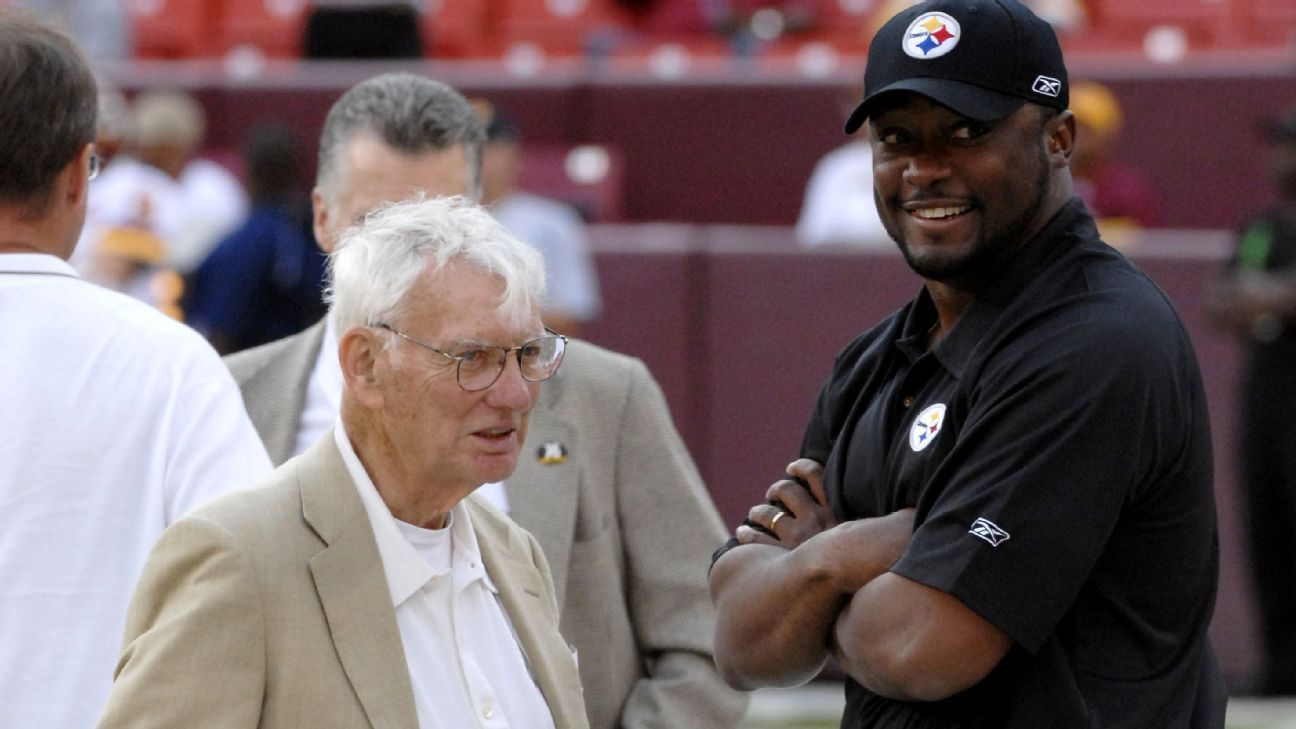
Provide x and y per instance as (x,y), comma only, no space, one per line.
(324,401)
(465,663)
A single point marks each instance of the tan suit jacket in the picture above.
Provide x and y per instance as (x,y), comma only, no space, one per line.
(624,519)
(269,608)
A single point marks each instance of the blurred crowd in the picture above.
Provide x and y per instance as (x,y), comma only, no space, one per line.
(226,244)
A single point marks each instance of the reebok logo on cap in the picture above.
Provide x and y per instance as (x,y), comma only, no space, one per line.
(931,35)
(1047,85)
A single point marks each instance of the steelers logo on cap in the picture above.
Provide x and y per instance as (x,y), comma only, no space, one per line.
(931,35)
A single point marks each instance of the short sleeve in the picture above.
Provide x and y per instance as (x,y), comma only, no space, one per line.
(1054,438)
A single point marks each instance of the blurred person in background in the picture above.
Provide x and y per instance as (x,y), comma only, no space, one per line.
(127,257)
(157,183)
(553,227)
(839,205)
(1119,195)
(1255,298)
(170,127)
(114,419)
(115,121)
(265,280)
(130,259)
(604,483)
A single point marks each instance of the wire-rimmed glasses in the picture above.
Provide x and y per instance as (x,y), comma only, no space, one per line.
(479,367)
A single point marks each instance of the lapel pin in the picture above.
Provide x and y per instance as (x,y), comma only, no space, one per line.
(551,453)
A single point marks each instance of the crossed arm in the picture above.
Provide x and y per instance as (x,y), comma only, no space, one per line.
(784,603)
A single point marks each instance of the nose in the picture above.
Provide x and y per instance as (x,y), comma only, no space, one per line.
(926,168)
(511,391)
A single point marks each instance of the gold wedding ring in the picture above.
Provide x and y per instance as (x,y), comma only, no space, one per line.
(774,521)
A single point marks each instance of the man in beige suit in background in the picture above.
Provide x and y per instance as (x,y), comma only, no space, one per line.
(604,482)
(360,585)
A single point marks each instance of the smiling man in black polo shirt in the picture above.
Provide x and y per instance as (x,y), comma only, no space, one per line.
(1014,523)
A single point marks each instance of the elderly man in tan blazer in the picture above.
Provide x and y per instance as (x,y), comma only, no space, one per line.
(604,482)
(363,584)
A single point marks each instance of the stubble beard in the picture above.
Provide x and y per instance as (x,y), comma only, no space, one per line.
(990,248)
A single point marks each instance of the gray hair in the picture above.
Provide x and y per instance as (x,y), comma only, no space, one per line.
(410,113)
(377,261)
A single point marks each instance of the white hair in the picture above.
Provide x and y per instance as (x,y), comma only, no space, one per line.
(377,261)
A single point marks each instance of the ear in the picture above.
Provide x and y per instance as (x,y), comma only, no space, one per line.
(361,358)
(320,220)
(76,177)
(1059,138)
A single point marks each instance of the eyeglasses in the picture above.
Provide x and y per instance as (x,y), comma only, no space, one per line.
(479,368)
(96,164)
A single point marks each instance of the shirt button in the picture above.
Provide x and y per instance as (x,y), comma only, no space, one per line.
(488,711)
(907,401)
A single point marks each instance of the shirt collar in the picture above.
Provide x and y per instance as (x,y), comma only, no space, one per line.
(1071,226)
(406,570)
(36,263)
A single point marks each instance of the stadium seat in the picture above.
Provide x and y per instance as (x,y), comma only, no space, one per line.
(274,27)
(463,28)
(171,29)
(1205,23)
(848,25)
(1273,22)
(560,27)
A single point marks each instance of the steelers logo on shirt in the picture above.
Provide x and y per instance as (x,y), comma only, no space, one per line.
(926,427)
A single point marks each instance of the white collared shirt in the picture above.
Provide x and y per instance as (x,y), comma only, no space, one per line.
(465,662)
(114,421)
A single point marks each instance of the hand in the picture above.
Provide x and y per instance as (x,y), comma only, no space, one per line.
(796,509)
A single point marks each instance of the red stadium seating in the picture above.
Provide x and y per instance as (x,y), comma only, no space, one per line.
(1273,21)
(172,28)
(847,24)
(560,27)
(463,28)
(1205,23)
(274,27)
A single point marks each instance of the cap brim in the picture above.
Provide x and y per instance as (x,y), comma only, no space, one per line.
(973,102)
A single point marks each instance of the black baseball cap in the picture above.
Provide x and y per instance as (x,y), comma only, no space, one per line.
(982,59)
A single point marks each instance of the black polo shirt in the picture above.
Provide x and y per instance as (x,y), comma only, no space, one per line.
(1057,449)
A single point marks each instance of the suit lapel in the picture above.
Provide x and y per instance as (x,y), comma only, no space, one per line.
(542,497)
(276,394)
(353,590)
(534,619)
